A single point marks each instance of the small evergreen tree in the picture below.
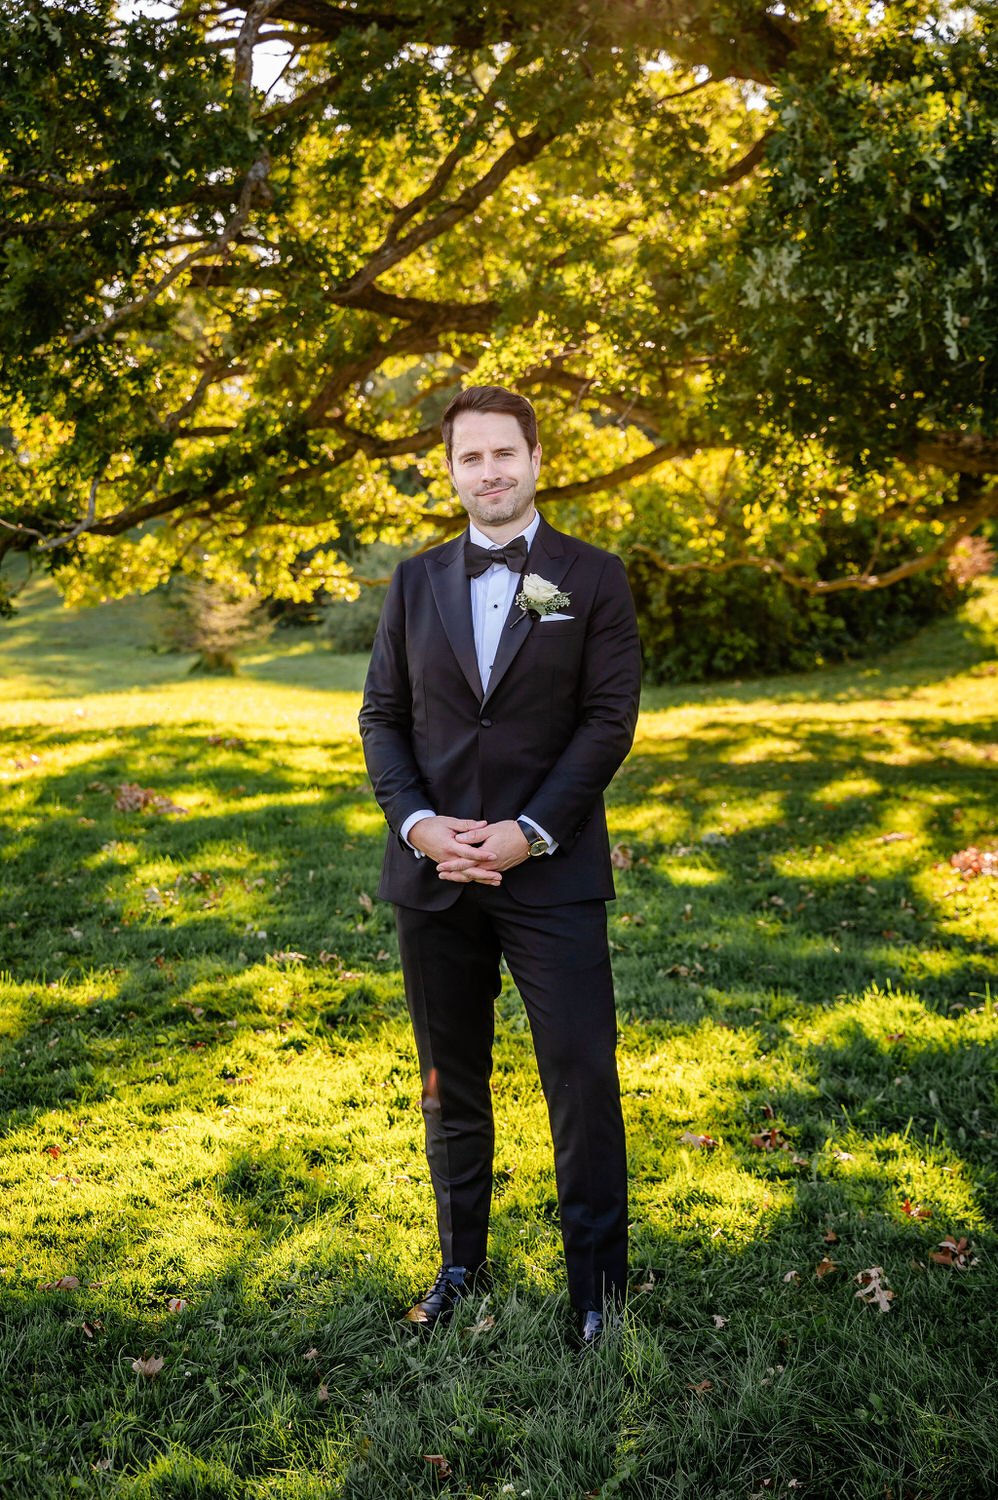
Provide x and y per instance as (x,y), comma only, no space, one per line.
(213,621)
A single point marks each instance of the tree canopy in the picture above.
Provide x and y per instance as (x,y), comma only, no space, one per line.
(709,238)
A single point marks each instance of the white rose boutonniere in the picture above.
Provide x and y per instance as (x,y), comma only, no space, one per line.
(539,597)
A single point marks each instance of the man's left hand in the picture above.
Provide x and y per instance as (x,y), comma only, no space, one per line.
(504,841)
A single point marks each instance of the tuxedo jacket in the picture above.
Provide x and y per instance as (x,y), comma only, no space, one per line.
(542,742)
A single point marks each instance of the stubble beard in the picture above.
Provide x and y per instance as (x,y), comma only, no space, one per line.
(518,502)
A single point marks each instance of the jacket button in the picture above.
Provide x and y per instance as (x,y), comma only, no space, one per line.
(485,723)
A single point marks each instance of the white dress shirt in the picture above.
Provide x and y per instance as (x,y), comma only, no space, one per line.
(492,595)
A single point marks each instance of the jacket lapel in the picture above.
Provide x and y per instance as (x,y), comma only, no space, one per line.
(449,583)
(548,557)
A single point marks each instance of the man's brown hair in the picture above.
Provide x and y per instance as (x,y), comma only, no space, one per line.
(490,398)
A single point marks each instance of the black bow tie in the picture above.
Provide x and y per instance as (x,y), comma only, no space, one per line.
(478,559)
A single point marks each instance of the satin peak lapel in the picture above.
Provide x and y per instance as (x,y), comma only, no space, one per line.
(548,558)
(449,583)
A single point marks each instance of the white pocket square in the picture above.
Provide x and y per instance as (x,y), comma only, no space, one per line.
(555,616)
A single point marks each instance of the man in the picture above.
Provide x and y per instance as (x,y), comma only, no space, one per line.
(501,697)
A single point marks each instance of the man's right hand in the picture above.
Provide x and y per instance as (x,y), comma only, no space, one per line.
(435,837)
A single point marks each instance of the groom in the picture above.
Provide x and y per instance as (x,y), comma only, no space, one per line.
(490,730)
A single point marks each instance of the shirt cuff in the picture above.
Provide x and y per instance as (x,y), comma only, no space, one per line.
(410,822)
(551,843)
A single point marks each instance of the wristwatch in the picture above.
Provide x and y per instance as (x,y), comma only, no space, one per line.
(536,846)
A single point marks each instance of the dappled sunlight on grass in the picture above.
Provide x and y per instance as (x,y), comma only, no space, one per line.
(209,1090)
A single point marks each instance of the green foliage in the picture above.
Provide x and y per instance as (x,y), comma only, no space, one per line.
(349,624)
(232,318)
(215,623)
(700,625)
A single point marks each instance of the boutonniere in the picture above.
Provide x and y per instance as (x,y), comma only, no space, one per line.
(539,597)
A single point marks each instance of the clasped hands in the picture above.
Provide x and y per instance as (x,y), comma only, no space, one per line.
(466,850)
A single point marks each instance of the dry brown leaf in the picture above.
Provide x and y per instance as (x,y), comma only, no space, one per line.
(825,1267)
(177,1304)
(322,1394)
(973,861)
(704,1385)
(769,1113)
(312,1353)
(719,1322)
(64,1284)
(482,1326)
(770,1140)
(148,1366)
(698,1142)
(954,1252)
(831,1238)
(915,1210)
(365,903)
(440,1463)
(621,857)
(53,1151)
(647,1286)
(873,1290)
(792,1276)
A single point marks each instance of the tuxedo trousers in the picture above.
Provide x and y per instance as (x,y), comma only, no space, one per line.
(559,959)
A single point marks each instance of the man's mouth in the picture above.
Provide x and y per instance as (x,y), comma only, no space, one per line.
(496,489)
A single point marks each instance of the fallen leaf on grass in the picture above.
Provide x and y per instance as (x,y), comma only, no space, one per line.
(227,744)
(621,857)
(64,1284)
(895,1036)
(647,1286)
(440,1463)
(312,1354)
(873,1290)
(954,1252)
(52,1151)
(719,1322)
(915,1210)
(698,1142)
(769,1113)
(704,1385)
(793,1276)
(482,1326)
(365,903)
(322,1394)
(824,1268)
(831,1238)
(62,1177)
(973,861)
(770,1140)
(893,838)
(148,1366)
(177,1304)
(130,797)
(844,1156)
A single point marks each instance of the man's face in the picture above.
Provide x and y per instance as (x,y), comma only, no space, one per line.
(493,470)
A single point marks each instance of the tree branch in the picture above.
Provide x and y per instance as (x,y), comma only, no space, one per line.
(254,185)
(665,453)
(964,526)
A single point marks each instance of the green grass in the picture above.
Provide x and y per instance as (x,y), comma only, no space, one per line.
(208,1092)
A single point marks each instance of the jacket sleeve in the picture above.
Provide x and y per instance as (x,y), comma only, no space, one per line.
(386,717)
(609,692)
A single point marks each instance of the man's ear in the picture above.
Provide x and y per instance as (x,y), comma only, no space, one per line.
(535,460)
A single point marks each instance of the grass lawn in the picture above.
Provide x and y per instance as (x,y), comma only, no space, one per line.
(216,1204)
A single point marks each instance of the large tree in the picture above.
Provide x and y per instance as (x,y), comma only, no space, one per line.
(704,236)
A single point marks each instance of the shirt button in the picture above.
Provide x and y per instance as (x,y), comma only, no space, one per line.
(485,723)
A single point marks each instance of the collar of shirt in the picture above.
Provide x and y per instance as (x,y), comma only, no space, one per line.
(482,540)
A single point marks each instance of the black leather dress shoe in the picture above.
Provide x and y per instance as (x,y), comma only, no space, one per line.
(452,1285)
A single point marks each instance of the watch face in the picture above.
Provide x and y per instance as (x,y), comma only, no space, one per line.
(538,847)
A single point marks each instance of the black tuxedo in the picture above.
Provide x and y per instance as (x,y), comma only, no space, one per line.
(541,743)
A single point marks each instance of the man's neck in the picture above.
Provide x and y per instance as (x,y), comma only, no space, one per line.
(500,535)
